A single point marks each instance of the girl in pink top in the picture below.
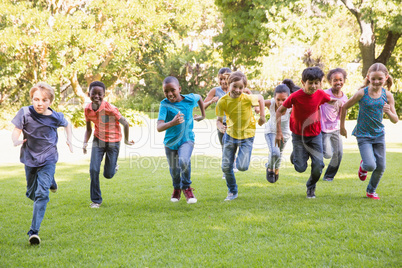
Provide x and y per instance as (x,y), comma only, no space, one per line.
(330,123)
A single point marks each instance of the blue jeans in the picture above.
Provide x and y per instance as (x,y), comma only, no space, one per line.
(99,149)
(275,152)
(180,164)
(372,151)
(303,148)
(39,180)
(230,146)
(333,149)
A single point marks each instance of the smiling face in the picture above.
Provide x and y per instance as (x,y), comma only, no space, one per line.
(96,94)
(377,79)
(236,89)
(41,102)
(337,81)
(172,92)
(223,81)
(311,86)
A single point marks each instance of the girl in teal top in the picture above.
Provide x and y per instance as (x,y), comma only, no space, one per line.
(374,101)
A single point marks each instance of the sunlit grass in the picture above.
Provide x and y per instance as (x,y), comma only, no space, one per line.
(268,225)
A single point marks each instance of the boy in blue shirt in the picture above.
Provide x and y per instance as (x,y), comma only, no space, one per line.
(176,117)
(39,124)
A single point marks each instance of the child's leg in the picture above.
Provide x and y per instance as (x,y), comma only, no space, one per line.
(98,150)
(314,149)
(244,155)
(32,183)
(277,164)
(327,145)
(184,152)
(229,150)
(300,155)
(44,178)
(112,153)
(274,151)
(337,149)
(173,161)
(380,160)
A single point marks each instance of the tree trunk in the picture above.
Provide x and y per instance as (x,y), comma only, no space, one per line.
(367,45)
(77,88)
(390,43)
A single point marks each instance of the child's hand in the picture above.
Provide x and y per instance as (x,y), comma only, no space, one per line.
(343,132)
(279,139)
(198,118)
(222,129)
(19,142)
(261,121)
(178,119)
(84,147)
(257,109)
(70,145)
(214,99)
(129,142)
(387,108)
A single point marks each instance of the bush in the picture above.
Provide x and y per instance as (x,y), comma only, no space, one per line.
(7,113)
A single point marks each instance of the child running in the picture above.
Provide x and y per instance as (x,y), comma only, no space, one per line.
(39,124)
(240,130)
(373,101)
(281,93)
(107,137)
(330,123)
(176,117)
(215,94)
(305,125)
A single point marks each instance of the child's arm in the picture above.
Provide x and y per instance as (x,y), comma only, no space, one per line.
(279,136)
(219,124)
(88,133)
(201,104)
(69,133)
(177,120)
(352,101)
(389,108)
(126,126)
(211,98)
(15,137)
(267,103)
(261,105)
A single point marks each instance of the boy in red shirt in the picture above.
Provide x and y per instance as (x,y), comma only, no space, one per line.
(107,137)
(305,125)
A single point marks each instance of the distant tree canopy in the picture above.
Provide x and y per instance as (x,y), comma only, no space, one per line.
(71,43)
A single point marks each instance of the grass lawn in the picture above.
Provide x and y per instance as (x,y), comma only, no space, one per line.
(269,225)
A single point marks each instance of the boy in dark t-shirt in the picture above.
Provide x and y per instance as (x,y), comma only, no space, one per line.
(39,124)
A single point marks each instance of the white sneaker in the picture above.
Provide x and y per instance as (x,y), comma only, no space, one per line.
(95,205)
(231,196)
(223,176)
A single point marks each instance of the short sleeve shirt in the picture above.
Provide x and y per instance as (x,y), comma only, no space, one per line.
(106,120)
(305,116)
(177,135)
(240,120)
(330,115)
(40,132)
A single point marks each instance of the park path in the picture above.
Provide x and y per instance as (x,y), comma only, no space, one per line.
(149,142)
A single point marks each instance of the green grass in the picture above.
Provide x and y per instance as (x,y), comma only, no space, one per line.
(269,225)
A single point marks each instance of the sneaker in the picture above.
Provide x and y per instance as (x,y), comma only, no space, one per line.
(188,193)
(310,193)
(270,176)
(373,195)
(176,195)
(223,176)
(33,238)
(53,187)
(328,179)
(95,205)
(235,167)
(362,173)
(231,196)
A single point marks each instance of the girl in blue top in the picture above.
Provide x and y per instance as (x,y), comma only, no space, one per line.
(374,101)
(176,117)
